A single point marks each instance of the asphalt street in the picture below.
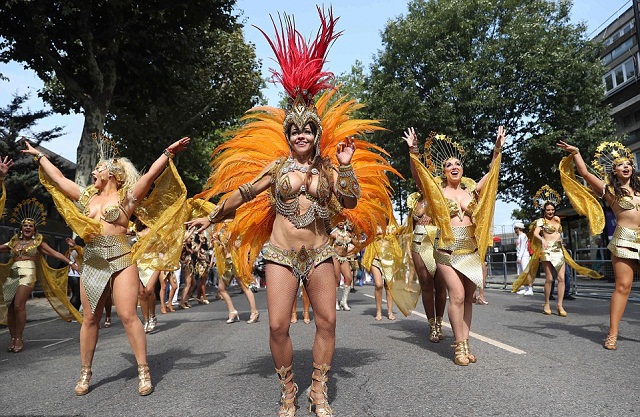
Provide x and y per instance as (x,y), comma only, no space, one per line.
(528,364)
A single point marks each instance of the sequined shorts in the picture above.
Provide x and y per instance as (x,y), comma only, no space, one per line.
(625,243)
(302,261)
(103,257)
(21,273)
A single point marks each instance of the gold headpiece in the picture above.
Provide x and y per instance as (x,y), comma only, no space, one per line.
(546,195)
(608,155)
(29,211)
(438,149)
(107,154)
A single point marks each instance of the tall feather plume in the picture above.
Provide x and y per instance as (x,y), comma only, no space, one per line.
(300,61)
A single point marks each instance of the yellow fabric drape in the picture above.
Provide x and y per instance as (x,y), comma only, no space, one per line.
(581,197)
(436,203)
(484,211)
(164,211)
(3,199)
(54,285)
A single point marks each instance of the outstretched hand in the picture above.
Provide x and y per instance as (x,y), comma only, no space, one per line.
(569,148)
(179,145)
(5,164)
(411,137)
(30,150)
(501,138)
(198,225)
(345,150)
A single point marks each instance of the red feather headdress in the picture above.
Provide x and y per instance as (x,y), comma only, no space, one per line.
(301,72)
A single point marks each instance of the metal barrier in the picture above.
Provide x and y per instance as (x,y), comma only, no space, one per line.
(502,272)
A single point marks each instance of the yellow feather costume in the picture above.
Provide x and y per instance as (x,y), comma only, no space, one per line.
(262,141)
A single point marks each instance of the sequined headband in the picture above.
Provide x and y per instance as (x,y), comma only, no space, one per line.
(440,148)
(29,211)
(546,195)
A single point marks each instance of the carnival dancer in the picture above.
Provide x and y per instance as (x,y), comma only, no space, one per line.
(379,259)
(343,243)
(18,276)
(100,214)
(305,159)
(548,250)
(618,184)
(463,211)
(434,288)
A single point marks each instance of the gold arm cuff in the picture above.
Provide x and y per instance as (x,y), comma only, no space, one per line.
(216,214)
(347,184)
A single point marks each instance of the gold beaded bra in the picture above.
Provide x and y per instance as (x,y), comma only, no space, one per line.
(287,200)
(111,213)
(455,209)
(547,228)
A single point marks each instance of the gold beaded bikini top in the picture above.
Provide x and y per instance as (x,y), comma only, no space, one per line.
(343,238)
(287,200)
(29,249)
(548,228)
(455,209)
(111,213)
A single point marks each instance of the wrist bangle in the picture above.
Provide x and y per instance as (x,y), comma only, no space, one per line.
(38,156)
(71,262)
(168,153)
(414,149)
(577,151)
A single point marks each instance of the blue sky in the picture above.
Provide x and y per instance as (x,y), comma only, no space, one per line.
(361,20)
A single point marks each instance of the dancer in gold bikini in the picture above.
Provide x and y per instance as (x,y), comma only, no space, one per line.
(302,176)
(618,184)
(18,276)
(434,288)
(548,250)
(100,214)
(463,212)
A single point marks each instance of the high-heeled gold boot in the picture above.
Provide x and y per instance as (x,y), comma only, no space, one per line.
(460,356)
(320,404)
(471,356)
(144,380)
(82,386)
(433,333)
(439,328)
(287,405)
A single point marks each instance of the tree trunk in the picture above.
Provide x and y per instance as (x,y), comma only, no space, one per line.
(87,155)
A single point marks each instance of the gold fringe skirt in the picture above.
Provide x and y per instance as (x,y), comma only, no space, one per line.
(22,273)
(423,246)
(462,255)
(625,243)
(554,254)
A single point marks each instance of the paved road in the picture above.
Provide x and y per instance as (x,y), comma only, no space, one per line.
(529,364)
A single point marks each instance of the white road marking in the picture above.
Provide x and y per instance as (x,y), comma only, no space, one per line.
(472,334)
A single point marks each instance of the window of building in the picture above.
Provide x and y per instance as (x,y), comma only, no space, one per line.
(618,51)
(616,35)
(619,75)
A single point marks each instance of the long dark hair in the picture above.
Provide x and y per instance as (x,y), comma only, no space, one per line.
(634,182)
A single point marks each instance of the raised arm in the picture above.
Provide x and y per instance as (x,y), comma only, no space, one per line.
(62,183)
(346,184)
(596,183)
(411,138)
(45,249)
(500,139)
(143,185)
(246,192)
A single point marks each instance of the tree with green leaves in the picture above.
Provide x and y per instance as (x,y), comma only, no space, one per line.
(16,122)
(110,58)
(463,68)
